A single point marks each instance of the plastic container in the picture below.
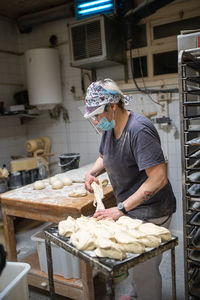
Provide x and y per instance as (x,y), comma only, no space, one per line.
(3,185)
(13,281)
(69,161)
(64,264)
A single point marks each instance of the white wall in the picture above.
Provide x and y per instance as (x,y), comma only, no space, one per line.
(77,135)
(12,135)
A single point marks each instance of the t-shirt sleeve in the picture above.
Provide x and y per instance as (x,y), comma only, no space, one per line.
(147,149)
(101,147)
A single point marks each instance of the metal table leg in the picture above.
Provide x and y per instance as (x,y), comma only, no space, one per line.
(110,290)
(50,269)
(173,269)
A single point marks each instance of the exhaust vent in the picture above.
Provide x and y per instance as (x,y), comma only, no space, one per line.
(96,43)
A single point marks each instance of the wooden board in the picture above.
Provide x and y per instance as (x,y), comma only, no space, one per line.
(55,201)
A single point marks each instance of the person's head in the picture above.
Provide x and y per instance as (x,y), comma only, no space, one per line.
(103,98)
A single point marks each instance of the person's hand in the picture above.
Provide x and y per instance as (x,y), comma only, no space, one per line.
(89,180)
(113,213)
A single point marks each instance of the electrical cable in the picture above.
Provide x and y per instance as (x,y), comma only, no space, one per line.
(145,91)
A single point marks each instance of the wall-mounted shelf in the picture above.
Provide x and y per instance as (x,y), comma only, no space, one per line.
(24,117)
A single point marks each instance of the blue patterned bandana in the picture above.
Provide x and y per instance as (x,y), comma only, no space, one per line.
(98,95)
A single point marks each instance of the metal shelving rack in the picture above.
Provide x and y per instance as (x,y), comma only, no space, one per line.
(189,81)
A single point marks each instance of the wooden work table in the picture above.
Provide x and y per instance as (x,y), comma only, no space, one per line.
(50,206)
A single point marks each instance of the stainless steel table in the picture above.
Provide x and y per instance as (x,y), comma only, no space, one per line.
(109,267)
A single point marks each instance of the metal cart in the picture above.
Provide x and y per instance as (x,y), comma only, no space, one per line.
(109,267)
(189,82)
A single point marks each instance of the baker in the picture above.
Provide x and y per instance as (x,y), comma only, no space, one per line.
(131,154)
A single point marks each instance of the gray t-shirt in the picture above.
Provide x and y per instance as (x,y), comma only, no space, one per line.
(125,160)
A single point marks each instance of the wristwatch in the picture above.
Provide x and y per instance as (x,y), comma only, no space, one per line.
(121,207)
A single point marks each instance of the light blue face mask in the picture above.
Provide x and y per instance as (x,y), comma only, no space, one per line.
(105,125)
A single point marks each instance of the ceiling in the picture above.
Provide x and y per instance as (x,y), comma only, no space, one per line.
(16,8)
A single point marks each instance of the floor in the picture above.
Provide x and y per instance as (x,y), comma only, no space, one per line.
(25,246)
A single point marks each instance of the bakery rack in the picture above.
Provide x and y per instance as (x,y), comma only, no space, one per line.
(189,83)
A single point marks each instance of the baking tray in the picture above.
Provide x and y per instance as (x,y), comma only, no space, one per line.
(196,237)
(195,206)
(194,79)
(192,163)
(194,190)
(193,177)
(195,219)
(194,255)
(106,265)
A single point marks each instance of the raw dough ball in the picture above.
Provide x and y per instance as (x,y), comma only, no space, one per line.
(67,181)
(78,193)
(57,184)
(39,185)
(52,179)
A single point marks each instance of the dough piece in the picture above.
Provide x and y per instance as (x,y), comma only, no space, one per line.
(165,237)
(66,181)
(150,241)
(129,222)
(134,247)
(124,237)
(57,184)
(98,195)
(78,193)
(39,185)
(82,240)
(52,179)
(110,250)
(67,227)
(152,229)
(101,232)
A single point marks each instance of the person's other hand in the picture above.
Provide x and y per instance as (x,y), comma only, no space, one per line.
(89,180)
(112,213)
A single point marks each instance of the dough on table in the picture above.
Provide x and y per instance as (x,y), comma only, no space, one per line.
(129,222)
(66,180)
(82,240)
(124,237)
(78,193)
(155,230)
(52,179)
(133,247)
(150,241)
(152,229)
(110,250)
(39,185)
(57,184)
(67,227)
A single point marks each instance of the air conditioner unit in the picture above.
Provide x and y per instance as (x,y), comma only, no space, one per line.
(97,42)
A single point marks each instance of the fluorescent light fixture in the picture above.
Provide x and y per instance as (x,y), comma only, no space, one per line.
(85,9)
(95,9)
(92,3)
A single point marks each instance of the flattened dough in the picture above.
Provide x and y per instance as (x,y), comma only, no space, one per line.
(39,185)
(78,193)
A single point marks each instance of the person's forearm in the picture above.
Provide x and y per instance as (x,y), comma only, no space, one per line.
(146,191)
(97,168)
